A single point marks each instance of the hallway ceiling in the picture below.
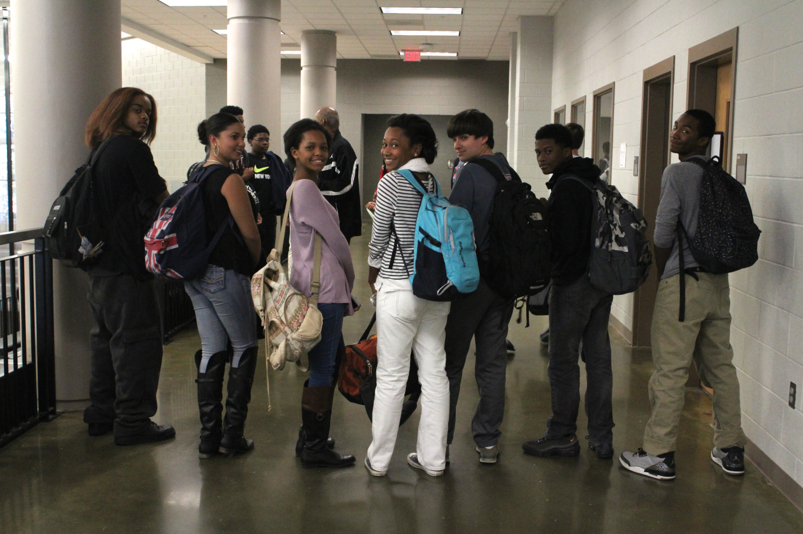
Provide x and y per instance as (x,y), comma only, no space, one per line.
(363,32)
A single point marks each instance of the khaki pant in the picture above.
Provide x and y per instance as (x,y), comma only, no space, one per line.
(704,335)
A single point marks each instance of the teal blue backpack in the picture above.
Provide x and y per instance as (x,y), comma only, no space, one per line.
(445,264)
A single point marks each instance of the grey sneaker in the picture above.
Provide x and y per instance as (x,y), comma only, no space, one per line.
(730,459)
(545,337)
(661,468)
(488,455)
(372,471)
(412,461)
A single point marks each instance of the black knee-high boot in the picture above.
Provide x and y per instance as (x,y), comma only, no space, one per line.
(241,378)
(210,395)
(316,413)
(330,442)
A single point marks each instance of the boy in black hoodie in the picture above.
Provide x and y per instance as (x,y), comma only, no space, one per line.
(578,312)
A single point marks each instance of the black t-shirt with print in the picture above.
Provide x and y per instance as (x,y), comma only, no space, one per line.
(126,183)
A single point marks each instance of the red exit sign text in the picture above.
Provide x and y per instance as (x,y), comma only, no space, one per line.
(412,55)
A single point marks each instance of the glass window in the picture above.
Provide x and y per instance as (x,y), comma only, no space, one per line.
(579,117)
(603,131)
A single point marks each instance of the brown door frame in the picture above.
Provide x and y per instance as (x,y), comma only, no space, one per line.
(720,45)
(574,103)
(561,109)
(659,71)
(579,120)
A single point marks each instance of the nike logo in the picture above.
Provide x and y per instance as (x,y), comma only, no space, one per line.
(258,169)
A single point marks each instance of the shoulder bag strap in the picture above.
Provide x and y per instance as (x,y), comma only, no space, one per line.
(284,218)
(315,286)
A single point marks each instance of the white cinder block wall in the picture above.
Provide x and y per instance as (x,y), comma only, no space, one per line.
(178,86)
(598,43)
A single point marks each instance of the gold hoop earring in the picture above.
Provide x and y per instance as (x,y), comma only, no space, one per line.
(217,150)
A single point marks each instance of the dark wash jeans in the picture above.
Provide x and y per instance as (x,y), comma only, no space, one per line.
(126,352)
(580,312)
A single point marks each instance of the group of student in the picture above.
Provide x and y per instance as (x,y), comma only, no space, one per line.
(126,353)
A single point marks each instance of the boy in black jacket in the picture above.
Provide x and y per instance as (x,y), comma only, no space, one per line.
(577,310)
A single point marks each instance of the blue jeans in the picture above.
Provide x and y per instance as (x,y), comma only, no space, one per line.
(580,312)
(224,311)
(323,356)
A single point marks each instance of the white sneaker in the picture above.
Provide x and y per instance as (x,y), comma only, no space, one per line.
(412,461)
(372,471)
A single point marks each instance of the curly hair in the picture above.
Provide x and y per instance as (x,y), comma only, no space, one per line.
(418,131)
(295,133)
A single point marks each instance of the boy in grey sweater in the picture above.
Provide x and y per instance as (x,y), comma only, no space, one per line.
(705,330)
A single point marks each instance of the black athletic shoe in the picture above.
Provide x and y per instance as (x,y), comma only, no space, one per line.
(100,429)
(730,459)
(553,446)
(151,434)
(604,449)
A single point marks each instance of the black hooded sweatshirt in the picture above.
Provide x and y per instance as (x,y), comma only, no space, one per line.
(570,211)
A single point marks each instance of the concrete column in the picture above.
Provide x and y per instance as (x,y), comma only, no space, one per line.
(533,96)
(67,58)
(254,65)
(318,71)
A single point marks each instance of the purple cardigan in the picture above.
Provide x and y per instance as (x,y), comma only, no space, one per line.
(310,212)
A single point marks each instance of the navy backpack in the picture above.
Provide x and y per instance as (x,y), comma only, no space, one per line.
(176,245)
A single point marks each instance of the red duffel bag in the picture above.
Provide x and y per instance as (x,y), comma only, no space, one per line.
(357,376)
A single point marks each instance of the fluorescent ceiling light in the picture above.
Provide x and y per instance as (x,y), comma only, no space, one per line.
(425,32)
(226,32)
(291,52)
(124,35)
(422,10)
(434,54)
(193,3)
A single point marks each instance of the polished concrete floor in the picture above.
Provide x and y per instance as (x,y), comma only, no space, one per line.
(56,479)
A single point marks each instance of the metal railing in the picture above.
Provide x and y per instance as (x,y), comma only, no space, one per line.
(175,307)
(27,370)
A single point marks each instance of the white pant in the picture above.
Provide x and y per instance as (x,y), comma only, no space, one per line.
(405,322)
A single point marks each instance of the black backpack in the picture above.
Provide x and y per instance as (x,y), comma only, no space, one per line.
(517,261)
(726,238)
(74,216)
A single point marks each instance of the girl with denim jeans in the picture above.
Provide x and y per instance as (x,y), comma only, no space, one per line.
(222,296)
(307,144)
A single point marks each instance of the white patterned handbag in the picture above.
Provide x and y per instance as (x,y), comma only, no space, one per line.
(292,321)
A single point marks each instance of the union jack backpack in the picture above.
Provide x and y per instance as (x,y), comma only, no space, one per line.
(176,245)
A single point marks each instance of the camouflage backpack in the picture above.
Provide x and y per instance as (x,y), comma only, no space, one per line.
(620,257)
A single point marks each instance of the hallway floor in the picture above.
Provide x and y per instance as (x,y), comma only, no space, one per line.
(57,479)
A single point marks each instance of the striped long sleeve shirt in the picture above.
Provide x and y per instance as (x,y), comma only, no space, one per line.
(397,204)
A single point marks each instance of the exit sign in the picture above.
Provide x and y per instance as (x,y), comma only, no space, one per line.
(412,55)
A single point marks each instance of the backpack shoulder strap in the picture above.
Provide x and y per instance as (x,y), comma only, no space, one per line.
(93,157)
(413,180)
(572,177)
(495,171)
